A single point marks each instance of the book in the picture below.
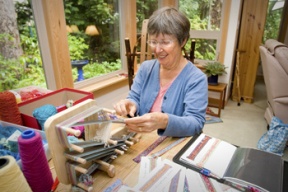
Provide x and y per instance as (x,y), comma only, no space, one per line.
(164,175)
(240,167)
(182,179)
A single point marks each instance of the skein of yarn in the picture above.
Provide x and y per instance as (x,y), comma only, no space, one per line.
(34,163)
(43,113)
(9,110)
(11,177)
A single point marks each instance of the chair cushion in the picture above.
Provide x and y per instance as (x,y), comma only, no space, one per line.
(280,52)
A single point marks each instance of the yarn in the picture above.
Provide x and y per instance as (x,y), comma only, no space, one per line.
(43,113)
(9,110)
(5,152)
(7,131)
(11,177)
(34,163)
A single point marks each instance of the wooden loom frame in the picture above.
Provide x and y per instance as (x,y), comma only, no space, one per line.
(57,148)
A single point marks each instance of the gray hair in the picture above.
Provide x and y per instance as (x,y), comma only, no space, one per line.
(169,21)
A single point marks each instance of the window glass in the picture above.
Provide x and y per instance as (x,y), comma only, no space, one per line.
(24,68)
(273,19)
(144,10)
(204,15)
(93,37)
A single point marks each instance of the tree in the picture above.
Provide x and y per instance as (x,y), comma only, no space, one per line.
(10,40)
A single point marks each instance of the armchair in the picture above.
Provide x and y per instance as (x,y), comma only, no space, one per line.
(274,57)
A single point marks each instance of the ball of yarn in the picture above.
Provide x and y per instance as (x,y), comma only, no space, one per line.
(43,113)
(9,110)
(11,177)
(34,163)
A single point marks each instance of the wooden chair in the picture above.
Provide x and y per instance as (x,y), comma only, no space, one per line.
(140,50)
(191,54)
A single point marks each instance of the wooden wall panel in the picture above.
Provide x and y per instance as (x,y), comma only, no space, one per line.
(58,42)
(224,29)
(170,3)
(250,38)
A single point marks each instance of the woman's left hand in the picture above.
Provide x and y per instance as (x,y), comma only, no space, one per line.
(147,123)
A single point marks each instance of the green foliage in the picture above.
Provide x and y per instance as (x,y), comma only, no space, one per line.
(34,75)
(203,15)
(144,10)
(6,37)
(77,47)
(103,14)
(24,15)
(83,13)
(25,70)
(29,44)
(97,69)
(11,71)
(272,23)
(214,68)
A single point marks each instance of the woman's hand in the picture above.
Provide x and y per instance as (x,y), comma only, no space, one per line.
(147,123)
(125,107)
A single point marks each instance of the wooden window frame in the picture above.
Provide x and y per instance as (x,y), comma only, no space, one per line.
(52,36)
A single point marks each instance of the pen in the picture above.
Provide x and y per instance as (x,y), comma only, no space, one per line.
(208,173)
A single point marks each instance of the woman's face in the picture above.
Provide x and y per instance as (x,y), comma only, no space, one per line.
(166,49)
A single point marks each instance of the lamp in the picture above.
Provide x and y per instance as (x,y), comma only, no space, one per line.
(91,30)
(74,28)
(68,29)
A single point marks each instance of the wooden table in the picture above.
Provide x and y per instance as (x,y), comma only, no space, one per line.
(217,102)
(126,169)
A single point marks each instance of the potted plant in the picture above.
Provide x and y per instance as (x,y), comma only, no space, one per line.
(213,70)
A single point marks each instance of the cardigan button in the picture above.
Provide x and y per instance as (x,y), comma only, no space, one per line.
(165,97)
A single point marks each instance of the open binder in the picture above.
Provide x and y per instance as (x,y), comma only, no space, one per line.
(246,169)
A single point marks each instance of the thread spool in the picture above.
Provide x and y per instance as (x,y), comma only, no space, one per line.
(9,110)
(34,163)
(11,177)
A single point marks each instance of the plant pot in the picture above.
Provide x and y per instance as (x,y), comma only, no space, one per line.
(213,80)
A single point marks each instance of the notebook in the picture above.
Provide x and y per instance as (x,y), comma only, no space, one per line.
(244,168)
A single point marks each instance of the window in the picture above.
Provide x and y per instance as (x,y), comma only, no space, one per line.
(273,19)
(93,38)
(24,68)
(144,10)
(205,19)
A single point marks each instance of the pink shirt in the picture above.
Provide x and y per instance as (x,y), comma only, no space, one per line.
(159,99)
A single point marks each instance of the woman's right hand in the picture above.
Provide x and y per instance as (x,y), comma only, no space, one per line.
(125,107)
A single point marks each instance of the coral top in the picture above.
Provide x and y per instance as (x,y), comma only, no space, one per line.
(159,99)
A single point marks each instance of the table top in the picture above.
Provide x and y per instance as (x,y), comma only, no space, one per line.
(220,87)
(126,169)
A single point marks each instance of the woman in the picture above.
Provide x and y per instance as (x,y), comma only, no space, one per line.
(169,93)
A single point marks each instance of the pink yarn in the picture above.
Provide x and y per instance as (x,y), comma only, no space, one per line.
(34,163)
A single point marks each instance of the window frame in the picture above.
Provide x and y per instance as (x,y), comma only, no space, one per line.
(127,11)
(51,80)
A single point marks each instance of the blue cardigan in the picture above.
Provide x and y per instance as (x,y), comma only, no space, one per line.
(185,101)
